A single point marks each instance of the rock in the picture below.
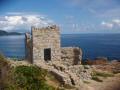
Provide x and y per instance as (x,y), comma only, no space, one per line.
(97,61)
(62,77)
(81,72)
(101,58)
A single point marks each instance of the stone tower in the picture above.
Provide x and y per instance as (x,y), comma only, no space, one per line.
(46,44)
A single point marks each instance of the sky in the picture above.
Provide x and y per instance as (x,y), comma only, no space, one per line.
(72,16)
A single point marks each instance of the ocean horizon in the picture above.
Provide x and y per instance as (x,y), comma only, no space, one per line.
(92,45)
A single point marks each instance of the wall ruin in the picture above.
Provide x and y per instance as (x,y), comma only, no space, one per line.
(46,41)
(71,55)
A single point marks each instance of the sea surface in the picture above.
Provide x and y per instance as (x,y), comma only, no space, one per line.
(93,45)
(13,46)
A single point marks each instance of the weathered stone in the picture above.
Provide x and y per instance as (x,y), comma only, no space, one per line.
(28,47)
(62,77)
(80,71)
(71,55)
(46,38)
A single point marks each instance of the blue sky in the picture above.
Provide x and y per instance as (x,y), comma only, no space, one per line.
(72,16)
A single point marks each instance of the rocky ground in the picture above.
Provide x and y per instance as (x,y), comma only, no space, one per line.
(82,77)
(103,76)
(110,83)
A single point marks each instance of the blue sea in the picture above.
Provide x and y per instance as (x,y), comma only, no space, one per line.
(13,46)
(93,45)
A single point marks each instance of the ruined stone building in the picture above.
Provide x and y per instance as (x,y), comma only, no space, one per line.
(45,46)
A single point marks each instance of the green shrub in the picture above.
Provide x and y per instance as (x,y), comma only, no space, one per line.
(1,57)
(3,61)
(28,78)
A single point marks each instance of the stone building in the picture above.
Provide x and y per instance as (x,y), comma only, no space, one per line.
(46,44)
(44,50)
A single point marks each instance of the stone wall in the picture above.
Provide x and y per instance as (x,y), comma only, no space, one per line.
(46,38)
(28,47)
(71,55)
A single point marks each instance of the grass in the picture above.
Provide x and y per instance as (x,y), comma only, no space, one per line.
(87,82)
(68,86)
(116,71)
(3,61)
(102,74)
(25,78)
(96,79)
(51,80)
(96,75)
(86,67)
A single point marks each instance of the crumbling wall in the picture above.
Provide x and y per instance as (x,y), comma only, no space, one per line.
(28,47)
(71,55)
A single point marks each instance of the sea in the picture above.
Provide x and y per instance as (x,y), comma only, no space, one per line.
(13,46)
(92,45)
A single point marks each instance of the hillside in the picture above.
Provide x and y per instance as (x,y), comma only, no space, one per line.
(2,33)
(20,75)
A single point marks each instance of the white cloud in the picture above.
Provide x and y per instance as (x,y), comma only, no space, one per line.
(116,21)
(113,24)
(23,22)
(107,25)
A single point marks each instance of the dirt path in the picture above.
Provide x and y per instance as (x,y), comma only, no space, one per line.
(111,83)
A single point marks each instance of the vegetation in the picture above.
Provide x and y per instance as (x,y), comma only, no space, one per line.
(116,71)
(2,33)
(102,74)
(3,62)
(68,86)
(96,75)
(28,78)
(87,82)
(23,77)
(96,79)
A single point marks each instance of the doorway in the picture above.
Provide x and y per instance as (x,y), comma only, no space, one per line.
(47,54)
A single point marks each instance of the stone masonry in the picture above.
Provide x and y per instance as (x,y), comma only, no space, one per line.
(71,55)
(46,47)
(46,41)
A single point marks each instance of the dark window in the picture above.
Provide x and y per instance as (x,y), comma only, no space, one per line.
(47,54)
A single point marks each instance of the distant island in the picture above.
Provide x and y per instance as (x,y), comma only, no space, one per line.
(4,33)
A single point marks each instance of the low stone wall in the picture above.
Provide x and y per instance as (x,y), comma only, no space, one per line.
(71,55)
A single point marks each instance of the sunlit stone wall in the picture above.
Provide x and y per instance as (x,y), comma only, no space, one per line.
(46,38)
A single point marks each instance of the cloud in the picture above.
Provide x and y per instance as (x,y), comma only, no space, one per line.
(23,22)
(113,24)
(107,24)
(116,21)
